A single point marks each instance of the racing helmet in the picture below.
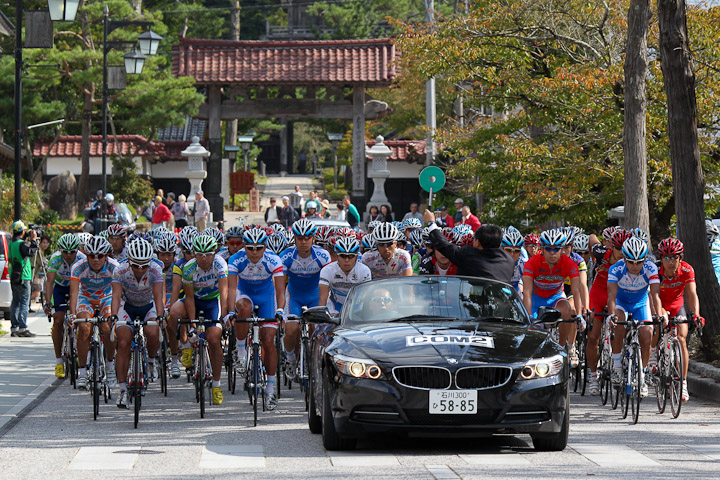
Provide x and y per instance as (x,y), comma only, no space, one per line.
(466,239)
(166,243)
(368,242)
(117,230)
(634,249)
(187,237)
(277,227)
(68,242)
(347,245)
(387,232)
(373,224)
(552,238)
(620,236)
(416,237)
(103,234)
(255,236)
(412,222)
(98,246)
(216,234)
(671,246)
(608,233)
(276,243)
(84,237)
(532,239)
(304,228)
(140,251)
(641,234)
(512,238)
(204,244)
(711,230)
(234,232)
(581,243)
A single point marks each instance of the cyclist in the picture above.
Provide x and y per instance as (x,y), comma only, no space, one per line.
(337,278)
(58,282)
(582,248)
(387,260)
(532,244)
(419,249)
(678,296)
(205,283)
(633,287)
(137,291)
(177,308)
(234,241)
(84,237)
(90,288)
(302,264)
(219,237)
(256,278)
(277,243)
(713,234)
(543,278)
(116,235)
(512,243)
(604,259)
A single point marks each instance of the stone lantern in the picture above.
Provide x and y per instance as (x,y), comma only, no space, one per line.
(196,173)
(379,172)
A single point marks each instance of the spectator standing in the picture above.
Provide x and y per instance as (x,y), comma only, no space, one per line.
(22,247)
(39,266)
(311,211)
(353,217)
(272,213)
(161,193)
(288,213)
(341,213)
(325,209)
(161,215)
(313,198)
(458,210)
(180,212)
(444,219)
(375,215)
(386,212)
(202,210)
(296,200)
(170,202)
(469,219)
(413,213)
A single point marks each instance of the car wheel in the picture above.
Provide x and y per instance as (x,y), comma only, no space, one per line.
(331,439)
(314,420)
(558,441)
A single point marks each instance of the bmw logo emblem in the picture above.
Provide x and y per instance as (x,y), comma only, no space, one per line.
(452,361)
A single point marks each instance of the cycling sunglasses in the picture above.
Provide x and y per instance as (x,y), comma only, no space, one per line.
(347,256)
(581,252)
(303,238)
(552,249)
(254,248)
(205,255)
(634,262)
(382,300)
(670,258)
(384,244)
(69,252)
(234,242)
(139,266)
(509,249)
(96,256)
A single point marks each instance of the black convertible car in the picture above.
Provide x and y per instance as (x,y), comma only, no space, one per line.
(434,356)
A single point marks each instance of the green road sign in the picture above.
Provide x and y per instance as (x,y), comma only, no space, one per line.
(432,179)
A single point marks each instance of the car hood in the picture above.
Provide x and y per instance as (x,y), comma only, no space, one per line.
(427,343)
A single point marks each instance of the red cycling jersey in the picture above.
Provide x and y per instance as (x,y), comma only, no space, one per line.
(671,289)
(548,281)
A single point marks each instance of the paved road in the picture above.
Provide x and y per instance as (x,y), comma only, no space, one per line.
(58,439)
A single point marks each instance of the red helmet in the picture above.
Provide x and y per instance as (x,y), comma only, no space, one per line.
(607,234)
(449,234)
(671,246)
(117,230)
(465,239)
(620,236)
(532,239)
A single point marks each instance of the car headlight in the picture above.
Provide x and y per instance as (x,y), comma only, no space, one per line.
(542,367)
(357,367)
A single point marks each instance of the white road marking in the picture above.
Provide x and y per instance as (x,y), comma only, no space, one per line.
(613,455)
(510,458)
(104,458)
(10,414)
(355,459)
(712,450)
(441,472)
(232,456)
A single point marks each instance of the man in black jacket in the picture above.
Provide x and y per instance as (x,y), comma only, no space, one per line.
(484,258)
(273,212)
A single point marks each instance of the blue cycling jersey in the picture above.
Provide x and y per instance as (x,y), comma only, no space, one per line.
(633,289)
(715,257)
(303,276)
(255,279)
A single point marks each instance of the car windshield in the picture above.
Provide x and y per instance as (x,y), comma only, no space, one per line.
(433,299)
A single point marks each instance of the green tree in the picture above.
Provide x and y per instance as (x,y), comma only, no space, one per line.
(127,185)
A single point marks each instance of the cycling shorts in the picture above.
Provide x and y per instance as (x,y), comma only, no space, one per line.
(551,301)
(267,308)
(87,305)
(598,299)
(677,312)
(210,309)
(294,304)
(58,295)
(640,311)
(128,313)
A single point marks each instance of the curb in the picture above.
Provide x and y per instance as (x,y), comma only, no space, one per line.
(705,388)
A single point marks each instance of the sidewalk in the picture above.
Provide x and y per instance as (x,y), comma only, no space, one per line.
(27,367)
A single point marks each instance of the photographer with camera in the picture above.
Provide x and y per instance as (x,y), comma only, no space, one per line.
(22,247)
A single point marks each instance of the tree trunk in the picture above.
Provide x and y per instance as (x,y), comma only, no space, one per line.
(688,181)
(635,112)
(235,20)
(86,123)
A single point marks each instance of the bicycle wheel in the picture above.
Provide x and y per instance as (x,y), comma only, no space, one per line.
(305,372)
(95,380)
(163,359)
(230,347)
(636,366)
(603,373)
(626,388)
(137,381)
(255,383)
(584,368)
(676,377)
(282,366)
(200,384)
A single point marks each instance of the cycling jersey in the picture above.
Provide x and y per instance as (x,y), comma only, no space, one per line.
(582,267)
(61,268)
(340,284)
(223,253)
(715,256)
(399,263)
(95,288)
(598,291)
(548,281)
(205,282)
(429,266)
(168,276)
(303,275)
(632,289)
(517,274)
(255,280)
(672,289)
(119,257)
(136,292)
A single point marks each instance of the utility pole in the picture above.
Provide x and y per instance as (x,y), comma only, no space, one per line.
(430,95)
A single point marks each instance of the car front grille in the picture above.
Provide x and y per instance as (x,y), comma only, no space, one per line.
(418,416)
(482,377)
(526,415)
(423,377)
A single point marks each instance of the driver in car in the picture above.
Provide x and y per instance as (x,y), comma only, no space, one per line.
(380,306)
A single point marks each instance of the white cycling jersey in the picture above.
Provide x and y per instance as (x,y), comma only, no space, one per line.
(399,263)
(136,292)
(340,284)
(119,257)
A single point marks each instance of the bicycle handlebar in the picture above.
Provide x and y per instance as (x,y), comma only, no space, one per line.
(92,320)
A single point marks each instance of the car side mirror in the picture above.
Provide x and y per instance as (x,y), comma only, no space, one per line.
(319,315)
(547,316)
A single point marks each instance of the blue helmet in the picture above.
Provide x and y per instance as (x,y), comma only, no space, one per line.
(255,236)
(347,245)
(552,238)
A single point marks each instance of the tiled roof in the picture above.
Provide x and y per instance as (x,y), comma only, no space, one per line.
(194,127)
(7,156)
(70,146)
(253,62)
(172,150)
(404,150)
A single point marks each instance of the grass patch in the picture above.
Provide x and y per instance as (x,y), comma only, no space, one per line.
(78,220)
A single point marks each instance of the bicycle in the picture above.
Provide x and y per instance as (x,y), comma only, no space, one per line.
(164,357)
(255,378)
(96,368)
(629,391)
(605,362)
(201,370)
(670,374)
(229,347)
(68,351)
(579,374)
(282,375)
(137,376)
(302,373)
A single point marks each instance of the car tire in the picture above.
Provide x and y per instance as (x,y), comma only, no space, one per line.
(331,440)
(557,442)
(314,420)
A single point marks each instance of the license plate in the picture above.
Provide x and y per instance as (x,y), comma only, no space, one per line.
(453,402)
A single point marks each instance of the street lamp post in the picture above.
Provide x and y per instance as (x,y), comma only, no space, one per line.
(334,141)
(134,62)
(245,142)
(196,173)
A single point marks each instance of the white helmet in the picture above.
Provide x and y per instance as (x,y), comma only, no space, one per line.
(98,245)
(387,232)
(552,238)
(634,249)
(84,237)
(140,251)
(512,238)
(712,230)
(582,243)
